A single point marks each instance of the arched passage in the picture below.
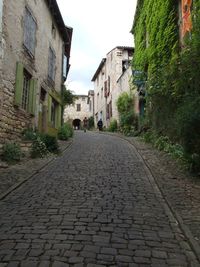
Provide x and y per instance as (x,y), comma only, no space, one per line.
(77,124)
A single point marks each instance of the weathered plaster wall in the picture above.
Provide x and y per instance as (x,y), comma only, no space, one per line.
(113,69)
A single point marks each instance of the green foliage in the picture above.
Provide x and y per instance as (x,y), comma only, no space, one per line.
(11,152)
(68,96)
(50,142)
(125,107)
(113,126)
(38,148)
(29,134)
(188,129)
(163,143)
(124,103)
(65,132)
(173,81)
(91,122)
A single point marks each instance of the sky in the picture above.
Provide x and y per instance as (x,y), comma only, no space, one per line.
(98,27)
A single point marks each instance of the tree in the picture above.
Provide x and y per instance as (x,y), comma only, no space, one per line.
(68,96)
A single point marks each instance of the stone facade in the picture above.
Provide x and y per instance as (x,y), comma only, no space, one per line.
(82,107)
(33,44)
(110,79)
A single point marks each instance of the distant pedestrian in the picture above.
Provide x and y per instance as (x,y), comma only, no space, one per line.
(100,124)
(85,122)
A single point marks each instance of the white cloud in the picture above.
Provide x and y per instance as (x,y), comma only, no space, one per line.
(98,27)
(78,87)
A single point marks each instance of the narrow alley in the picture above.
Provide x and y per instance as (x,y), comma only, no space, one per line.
(96,205)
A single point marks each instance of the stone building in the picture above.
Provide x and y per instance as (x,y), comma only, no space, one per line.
(34,63)
(82,107)
(110,79)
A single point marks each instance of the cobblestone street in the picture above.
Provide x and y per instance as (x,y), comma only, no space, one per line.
(96,205)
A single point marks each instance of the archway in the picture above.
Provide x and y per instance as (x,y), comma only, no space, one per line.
(77,124)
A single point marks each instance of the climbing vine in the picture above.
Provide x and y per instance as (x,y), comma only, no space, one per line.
(173,84)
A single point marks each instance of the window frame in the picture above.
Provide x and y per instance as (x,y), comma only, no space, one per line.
(29,34)
(78,107)
(25,91)
(54,107)
(51,64)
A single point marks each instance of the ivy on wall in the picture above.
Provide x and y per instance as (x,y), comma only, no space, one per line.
(173,84)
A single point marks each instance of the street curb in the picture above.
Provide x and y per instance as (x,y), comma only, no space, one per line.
(173,215)
(170,211)
(16,185)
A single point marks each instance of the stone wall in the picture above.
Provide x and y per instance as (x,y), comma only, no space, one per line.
(71,112)
(13,120)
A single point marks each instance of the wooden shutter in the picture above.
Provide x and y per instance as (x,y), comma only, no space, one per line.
(49,107)
(59,116)
(32,96)
(19,84)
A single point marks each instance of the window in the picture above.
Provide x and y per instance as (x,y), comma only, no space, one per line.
(107,112)
(53,31)
(110,110)
(119,53)
(108,85)
(42,95)
(83,98)
(65,64)
(29,32)
(97,100)
(105,88)
(90,106)
(26,88)
(51,65)
(125,65)
(78,107)
(54,106)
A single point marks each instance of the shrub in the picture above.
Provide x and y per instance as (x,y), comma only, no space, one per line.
(125,107)
(38,148)
(29,134)
(65,132)
(188,130)
(188,122)
(113,126)
(91,122)
(50,142)
(11,152)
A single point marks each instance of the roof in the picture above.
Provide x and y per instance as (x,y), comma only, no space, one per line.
(81,96)
(127,48)
(65,31)
(99,69)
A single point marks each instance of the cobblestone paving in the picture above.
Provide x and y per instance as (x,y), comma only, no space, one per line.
(97,205)
(181,189)
(15,174)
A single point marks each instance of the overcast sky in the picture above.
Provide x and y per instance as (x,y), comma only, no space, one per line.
(98,27)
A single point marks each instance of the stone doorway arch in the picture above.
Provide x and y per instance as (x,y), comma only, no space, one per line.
(77,124)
